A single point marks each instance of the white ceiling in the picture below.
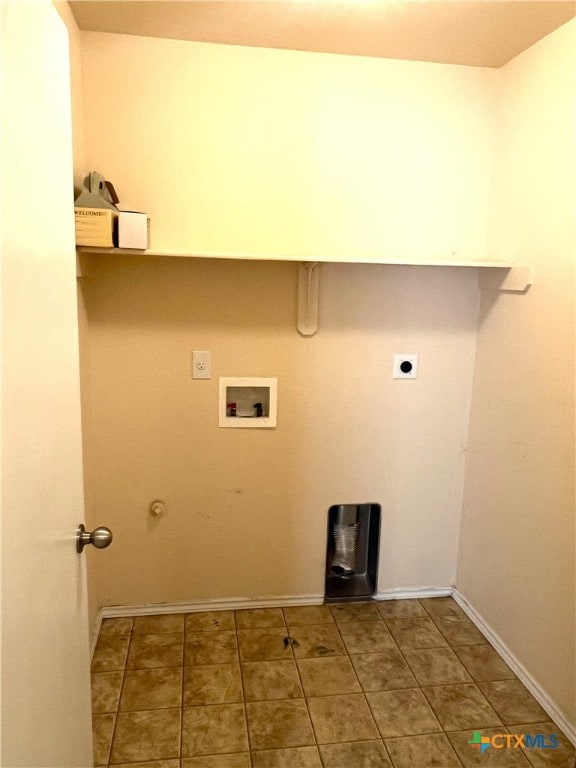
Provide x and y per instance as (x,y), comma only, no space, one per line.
(483,34)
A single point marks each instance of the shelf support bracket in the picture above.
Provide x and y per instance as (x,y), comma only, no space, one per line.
(308,297)
(513,280)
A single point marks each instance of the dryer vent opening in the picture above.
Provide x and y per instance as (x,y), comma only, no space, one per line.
(352,551)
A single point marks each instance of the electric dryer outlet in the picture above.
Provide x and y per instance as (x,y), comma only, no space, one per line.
(405,366)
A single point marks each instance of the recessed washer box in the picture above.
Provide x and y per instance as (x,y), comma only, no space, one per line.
(247,403)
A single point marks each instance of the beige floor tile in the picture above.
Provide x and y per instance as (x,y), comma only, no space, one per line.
(318,640)
(512,702)
(150,764)
(119,626)
(344,612)
(212,730)
(402,713)
(483,663)
(151,689)
(328,676)
(159,624)
(460,707)
(102,730)
(436,666)
(308,614)
(459,630)
(238,760)
(366,637)
(385,671)
(264,644)
(147,651)
(359,754)
(471,756)
(563,756)
(210,648)
(271,680)
(415,633)
(210,621)
(400,609)
(110,653)
(298,757)
(105,691)
(212,684)
(433,751)
(342,718)
(441,606)
(279,724)
(259,618)
(147,730)
(152,735)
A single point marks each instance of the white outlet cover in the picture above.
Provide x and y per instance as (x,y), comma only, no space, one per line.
(201,364)
(405,366)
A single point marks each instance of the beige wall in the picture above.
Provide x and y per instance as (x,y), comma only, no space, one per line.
(355,157)
(230,150)
(76,91)
(516,561)
(248,150)
(247,509)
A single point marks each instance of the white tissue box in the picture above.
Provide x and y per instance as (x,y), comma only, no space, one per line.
(133,230)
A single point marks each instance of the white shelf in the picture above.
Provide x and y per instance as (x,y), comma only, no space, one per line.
(408,262)
(496,275)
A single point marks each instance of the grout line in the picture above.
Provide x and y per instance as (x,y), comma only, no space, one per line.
(362,688)
(386,749)
(244,703)
(109,758)
(182,690)
(305,697)
(148,669)
(419,685)
(448,685)
(348,654)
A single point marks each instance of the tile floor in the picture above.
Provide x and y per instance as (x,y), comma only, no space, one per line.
(396,684)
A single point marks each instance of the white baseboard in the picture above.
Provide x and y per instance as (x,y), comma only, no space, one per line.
(517,667)
(151,609)
(229,604)
(238,603)
(412,593)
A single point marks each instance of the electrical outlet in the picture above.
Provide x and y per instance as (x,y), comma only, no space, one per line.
(405,366)
(201,365)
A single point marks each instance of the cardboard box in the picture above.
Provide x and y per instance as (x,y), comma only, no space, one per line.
(94,226)
(133,230)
